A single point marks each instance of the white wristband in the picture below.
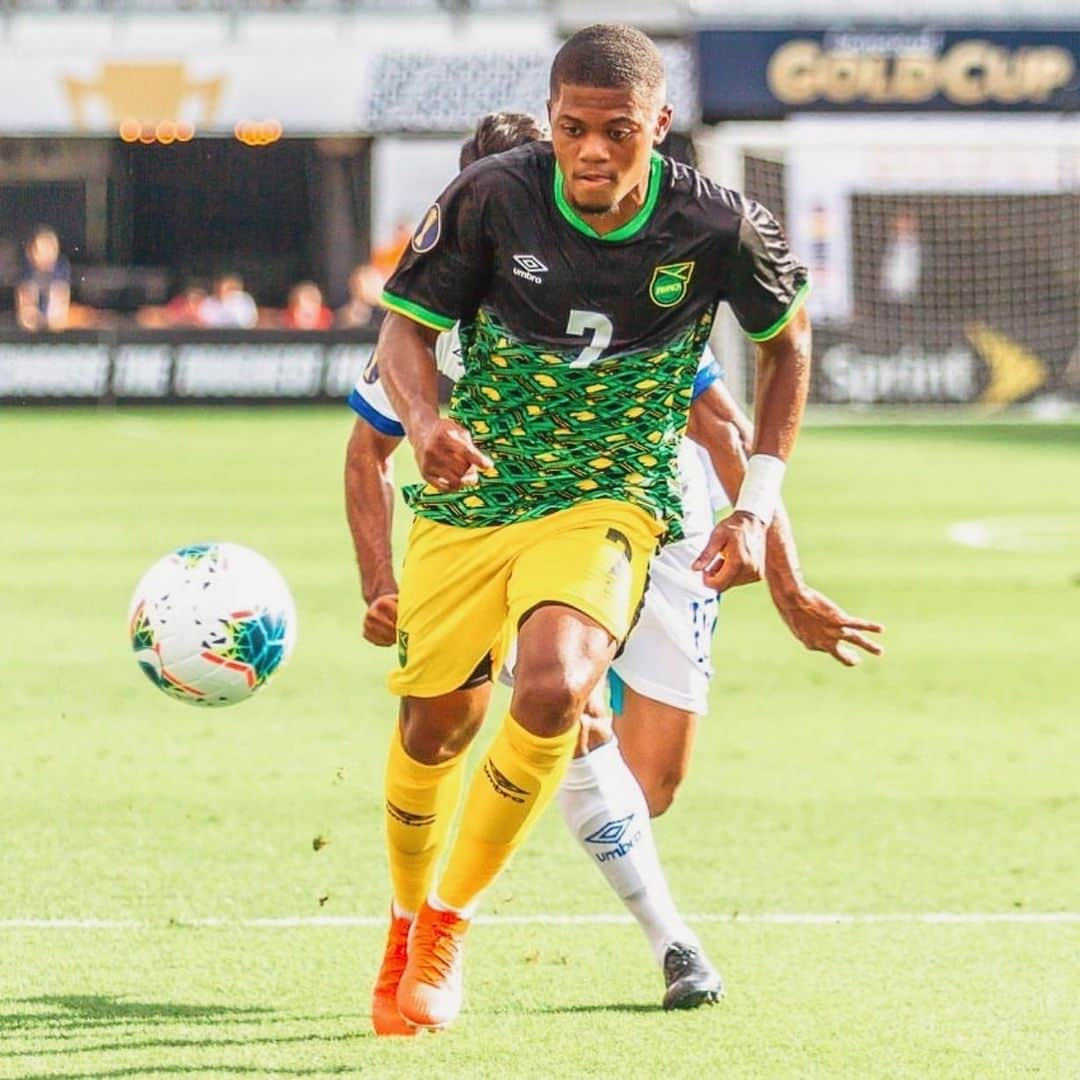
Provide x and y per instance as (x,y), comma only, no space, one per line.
(760,491)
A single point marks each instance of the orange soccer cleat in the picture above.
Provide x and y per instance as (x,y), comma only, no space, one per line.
(385,1017)
(431,991)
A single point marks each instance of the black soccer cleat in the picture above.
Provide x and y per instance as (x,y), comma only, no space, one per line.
(691,980)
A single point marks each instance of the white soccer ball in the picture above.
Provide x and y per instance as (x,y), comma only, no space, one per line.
(210,623)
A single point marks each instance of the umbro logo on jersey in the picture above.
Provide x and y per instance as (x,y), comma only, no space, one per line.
(530,268)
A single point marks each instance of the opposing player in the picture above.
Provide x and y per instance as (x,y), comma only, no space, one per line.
(576,394)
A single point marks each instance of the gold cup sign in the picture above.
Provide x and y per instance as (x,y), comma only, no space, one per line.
(146,96)
(970,73)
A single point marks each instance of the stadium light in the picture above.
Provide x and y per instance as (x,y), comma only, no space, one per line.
(163,133)
(258,132)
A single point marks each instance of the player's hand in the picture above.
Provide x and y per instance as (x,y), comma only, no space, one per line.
(448,458)
(735,553)
(380,622)
(823,626)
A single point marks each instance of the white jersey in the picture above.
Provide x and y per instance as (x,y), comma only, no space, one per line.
(702,495)
(368,397)
(666,656)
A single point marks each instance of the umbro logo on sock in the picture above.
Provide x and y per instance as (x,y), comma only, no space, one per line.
(610,833)
(614,837)
(406,818)
(502,784)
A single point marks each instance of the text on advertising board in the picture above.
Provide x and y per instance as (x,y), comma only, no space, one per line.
(970,73)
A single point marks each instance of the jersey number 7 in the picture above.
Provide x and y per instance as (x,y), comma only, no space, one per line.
(581,322)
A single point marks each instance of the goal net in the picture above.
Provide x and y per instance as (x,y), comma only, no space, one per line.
(944,253)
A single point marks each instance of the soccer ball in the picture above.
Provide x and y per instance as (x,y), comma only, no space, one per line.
(210,623)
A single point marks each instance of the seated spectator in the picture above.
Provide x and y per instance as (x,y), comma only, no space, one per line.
(229,307)
(184,309)
(43,298)
(362,309)
(306,310)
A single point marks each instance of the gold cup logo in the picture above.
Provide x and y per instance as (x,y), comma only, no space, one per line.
(145,101)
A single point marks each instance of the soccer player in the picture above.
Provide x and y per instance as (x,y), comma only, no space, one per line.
(659,682)
(584,276)
(660,679)
(602,802)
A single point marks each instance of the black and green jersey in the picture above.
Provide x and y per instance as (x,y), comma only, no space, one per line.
(580,350)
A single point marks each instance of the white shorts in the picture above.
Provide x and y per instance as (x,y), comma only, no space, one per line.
(666,656)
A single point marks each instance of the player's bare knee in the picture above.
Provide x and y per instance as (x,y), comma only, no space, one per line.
(432,734)
(548,703)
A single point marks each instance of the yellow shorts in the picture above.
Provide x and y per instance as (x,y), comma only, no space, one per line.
(462,587)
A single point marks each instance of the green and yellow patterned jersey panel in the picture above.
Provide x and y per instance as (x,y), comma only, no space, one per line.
(560,434)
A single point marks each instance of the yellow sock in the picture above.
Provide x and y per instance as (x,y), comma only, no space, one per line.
(420,804)
(516,780)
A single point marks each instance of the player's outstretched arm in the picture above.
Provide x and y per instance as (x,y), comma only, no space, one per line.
(444,450)
(723,429)
(815,620)
(735,553)
(369,507)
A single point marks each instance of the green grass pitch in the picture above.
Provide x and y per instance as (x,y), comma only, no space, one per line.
(943,778)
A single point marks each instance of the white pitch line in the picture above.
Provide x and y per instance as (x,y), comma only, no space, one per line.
(782,918)
(1043,533)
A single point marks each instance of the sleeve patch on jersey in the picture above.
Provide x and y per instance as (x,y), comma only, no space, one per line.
(371,370)
(781,323)
(417,312)
(428,231)
(368,412)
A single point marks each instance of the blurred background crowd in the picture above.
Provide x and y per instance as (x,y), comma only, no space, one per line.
(45,295)
(174,165)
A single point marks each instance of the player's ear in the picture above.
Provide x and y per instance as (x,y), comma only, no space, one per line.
(663,125)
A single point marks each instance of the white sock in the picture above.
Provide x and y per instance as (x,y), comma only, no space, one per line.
(604,807)
(402,913)
(438,904)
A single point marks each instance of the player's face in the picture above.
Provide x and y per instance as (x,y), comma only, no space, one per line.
(603,139)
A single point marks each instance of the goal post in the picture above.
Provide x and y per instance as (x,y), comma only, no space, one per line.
(944,253)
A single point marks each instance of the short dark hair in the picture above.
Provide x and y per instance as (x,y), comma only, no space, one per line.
(611,56)
(497,132)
